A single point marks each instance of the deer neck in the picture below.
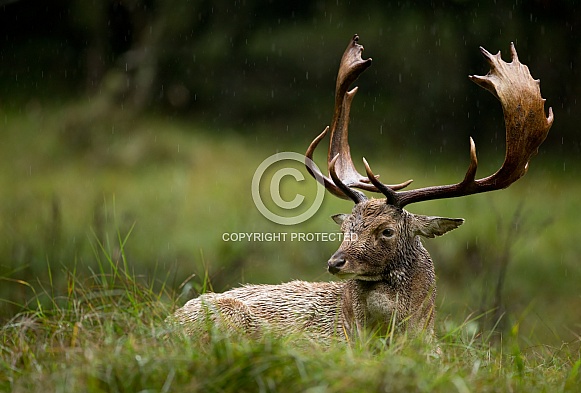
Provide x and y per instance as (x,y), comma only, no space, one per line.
(376,303)
(368,305)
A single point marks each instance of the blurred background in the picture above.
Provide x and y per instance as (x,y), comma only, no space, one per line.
(131,129)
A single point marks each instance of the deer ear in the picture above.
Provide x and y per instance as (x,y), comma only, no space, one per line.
(339,218)
(434,226)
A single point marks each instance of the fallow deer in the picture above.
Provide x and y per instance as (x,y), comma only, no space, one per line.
(389,275)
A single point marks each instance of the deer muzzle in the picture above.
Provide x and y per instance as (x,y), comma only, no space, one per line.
(336,262)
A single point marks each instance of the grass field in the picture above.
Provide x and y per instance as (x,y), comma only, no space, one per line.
(108,229)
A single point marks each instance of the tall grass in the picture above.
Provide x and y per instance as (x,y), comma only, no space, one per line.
(107,334)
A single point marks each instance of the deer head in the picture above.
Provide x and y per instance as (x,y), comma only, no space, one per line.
(383,237)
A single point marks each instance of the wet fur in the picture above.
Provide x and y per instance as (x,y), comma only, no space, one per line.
(391,283)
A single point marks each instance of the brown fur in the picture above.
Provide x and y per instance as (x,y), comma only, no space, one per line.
(390,282)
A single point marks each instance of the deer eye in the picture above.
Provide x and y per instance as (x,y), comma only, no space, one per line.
(387,232)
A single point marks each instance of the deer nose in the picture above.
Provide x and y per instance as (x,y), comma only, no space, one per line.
(336,262)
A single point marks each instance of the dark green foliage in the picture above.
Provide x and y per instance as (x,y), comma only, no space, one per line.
(256,65)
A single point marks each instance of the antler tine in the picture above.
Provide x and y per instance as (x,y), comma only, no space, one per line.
(526,124)
(352,65)
(314,170)
(389,193)
(354,195)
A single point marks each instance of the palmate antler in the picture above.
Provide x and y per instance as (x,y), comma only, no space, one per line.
(339,160)
(527,127)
